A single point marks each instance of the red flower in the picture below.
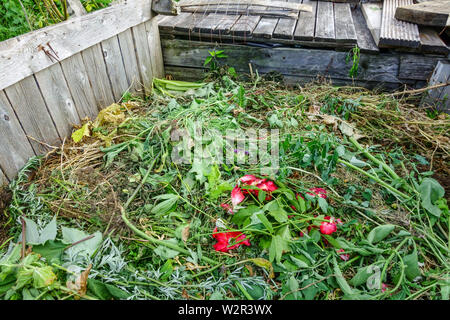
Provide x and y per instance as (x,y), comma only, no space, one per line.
(248,179)
(384,287)
(344,256)
(227,207)
(223,240)
(322,193)
(328,227)
(262,184)
(237,196)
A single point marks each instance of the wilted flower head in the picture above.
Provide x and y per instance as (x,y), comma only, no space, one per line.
(229,240)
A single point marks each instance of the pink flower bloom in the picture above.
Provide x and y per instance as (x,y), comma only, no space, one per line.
(237,196)
(223,240)
(384,287)
(227,207)
(328,227)
(263,184)
(267,185)
(248,179)
(322,193)
(344,256)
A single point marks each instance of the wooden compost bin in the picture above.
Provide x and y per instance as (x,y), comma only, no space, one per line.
(55,77)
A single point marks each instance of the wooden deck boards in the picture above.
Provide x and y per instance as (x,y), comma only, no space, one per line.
(328,25)
(396,33)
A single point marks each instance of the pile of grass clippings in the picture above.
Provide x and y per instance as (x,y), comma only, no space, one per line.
(357,210)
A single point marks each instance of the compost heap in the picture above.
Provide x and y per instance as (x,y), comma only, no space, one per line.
(357,209)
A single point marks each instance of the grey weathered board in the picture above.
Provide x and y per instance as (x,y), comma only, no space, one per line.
(430,42)
(372,12)
(325,30)
(345,28)
(302,63)
(286,26)
(439,97)
(396,33)
(430,13)
(366,42)
(306,26)
(97,58)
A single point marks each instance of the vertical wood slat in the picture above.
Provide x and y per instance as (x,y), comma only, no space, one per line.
(79,86)
(59,100)
(154,44)
(114,66)
(130,61)
(98,76)
(306,23)
(15,149)
(143,56)
(325,31)
(3,179)
(29,105)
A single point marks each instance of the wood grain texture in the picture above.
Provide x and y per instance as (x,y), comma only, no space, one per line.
(440,97)
(366,41)
(345,28)
(29,105)
(265,28)
(130,62)
(325,31)
(417,67)
(306,24)
(244,25)
(143,56)
(115,67)
(79,86)
(372,13)
(23,54)
(98,76)
(430,42)
(154,44)
(396,33)
(58,99)
(3,179)
(15,149)
(430,13)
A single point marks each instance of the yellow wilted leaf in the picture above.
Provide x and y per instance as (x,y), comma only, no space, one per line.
(266,264)
(78,135)
(80,284)
(113,114)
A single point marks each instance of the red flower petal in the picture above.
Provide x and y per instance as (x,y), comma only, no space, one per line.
(344,256)
(237,196)
(327,227)
(223,240)
(248,179)
(227,207)
(322,193)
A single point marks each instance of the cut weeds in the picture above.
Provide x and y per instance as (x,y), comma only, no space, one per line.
(355,211)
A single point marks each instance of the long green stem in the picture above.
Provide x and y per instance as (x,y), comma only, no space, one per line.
(371,176)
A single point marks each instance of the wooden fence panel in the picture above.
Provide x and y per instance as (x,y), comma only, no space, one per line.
(98,76)
(143,56)
(114,66)
(130,61)
(15,149)
(59,102)
(29,105)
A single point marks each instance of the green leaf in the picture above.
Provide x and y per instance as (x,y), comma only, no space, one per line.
(71,235)
(323,204)
(430,191)
(379,233)
(280,215)
(412,269)
(362,275)
(264,221)
(341,280)
(51,250)
(84,131)
(165,206)
(105,291)
(165,252)
(43,276)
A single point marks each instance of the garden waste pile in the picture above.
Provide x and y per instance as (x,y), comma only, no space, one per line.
(355,209)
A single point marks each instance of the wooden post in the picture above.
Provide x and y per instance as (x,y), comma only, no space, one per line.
(77,7)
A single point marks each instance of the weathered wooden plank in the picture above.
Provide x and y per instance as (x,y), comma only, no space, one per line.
(245,25)
(59,101)
(365,40)
(79,86)
(416,67)
(439,97)
(325,22)
(114,66)
(3,179)
(272,4)
(15,149)
(206,24)
(372,13)
(98,76)
(154,44)
(431,13)
(25,56)
(225,24)
(345,29)
(143,56)
(77,8)
(306,23)
(29,105)
(430,42)
(188,22)
(167,24)
(130,62)
(265,28)
(396,33)
(286,26)
(287,61)
(245,9)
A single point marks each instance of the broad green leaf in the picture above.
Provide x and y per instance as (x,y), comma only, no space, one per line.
(264,221)
(362,275)
(51,250)
(71,235)
(43,277)
(341,280)
(165,252)
(323,204)
(49,232)
(379,233)
(412,269)
(430,191)
(277,246)
(106,291)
